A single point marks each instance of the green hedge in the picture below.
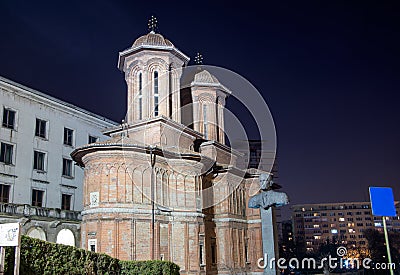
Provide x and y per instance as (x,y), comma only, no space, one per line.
(40,257)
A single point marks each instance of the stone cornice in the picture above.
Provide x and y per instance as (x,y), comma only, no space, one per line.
(80,152)
(121,210)
(145,122)
(122,55)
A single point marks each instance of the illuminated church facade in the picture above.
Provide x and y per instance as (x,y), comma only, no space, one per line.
(165,186)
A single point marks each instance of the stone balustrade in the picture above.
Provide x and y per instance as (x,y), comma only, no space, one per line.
(25,210)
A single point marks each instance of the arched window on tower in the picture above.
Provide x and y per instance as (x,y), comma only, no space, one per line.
(155,93)
(205,121)
(140,96)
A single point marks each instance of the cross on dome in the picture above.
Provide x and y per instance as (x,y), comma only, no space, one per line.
(198,59)
(152,25)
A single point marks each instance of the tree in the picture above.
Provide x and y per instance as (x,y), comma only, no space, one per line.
(377,247)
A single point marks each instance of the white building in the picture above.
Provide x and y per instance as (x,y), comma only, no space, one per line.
(39,184)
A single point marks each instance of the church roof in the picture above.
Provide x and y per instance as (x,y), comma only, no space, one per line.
(205,77)
(152,39)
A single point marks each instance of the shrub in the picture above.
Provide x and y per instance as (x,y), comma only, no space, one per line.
(40,257)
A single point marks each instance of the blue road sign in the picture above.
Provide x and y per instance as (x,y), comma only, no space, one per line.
(382,201)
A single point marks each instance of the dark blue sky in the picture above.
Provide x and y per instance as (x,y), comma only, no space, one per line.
(328,71)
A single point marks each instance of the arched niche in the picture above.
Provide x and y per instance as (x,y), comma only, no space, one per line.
(37,232)
(66,236)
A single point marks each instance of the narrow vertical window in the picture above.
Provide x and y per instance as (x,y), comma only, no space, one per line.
(170,92)
(155,93)
(205,121)
(201,254)
(213,254)
(140,96)
(246,252)
(217,119)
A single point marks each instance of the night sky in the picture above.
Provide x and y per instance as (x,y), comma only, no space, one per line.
(328,71)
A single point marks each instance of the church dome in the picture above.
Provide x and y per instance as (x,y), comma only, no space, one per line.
(205,77)
(152,39)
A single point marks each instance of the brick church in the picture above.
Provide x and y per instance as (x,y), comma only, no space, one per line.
(165,185)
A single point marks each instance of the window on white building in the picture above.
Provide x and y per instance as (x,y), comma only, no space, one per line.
(39,160)
(6,153)
(37,197)
(68,136)
(93,139)
(66,201)
(67,168)
(8,118)
(4,193)
(40,130)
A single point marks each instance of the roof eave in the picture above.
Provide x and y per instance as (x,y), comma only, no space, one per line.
(122,55)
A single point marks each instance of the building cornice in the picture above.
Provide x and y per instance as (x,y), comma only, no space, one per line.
(54,103)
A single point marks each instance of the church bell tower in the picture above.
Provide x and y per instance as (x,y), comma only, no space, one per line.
(152,73)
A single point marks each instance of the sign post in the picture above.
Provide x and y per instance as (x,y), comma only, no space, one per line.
(10,235)
(382,204)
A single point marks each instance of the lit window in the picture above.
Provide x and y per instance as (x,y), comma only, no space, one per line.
(38,160)
(66,202)
(317,237)
(334,231)
(155,93)
(201,254)
(37,197)
(93,139)
(316,225)
(67,167)
(8,118)
(68,136)
(341,219)
(40,130)
(6,153)
(4,192)
(140,97)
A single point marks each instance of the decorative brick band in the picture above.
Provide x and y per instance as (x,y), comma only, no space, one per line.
(140,211)
(236,220)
